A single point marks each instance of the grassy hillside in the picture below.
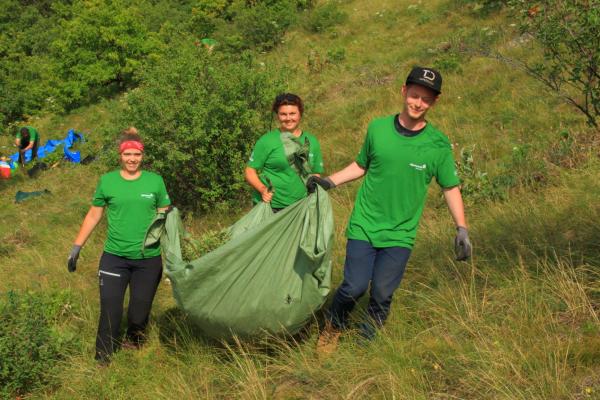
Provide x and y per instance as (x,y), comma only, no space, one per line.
(519,321)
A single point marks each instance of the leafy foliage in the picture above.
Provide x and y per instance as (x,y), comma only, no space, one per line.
(569,32)
(100,49)
(200,113)
(25,73)
(325,17)
(263,26)
(31,343)
(59,55)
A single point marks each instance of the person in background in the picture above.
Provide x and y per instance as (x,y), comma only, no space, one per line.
(268,164)
(131,197)
(398,159)
(28,138)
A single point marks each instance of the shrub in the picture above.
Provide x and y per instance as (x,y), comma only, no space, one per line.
(336,55)
(200,113)
(569,33)
(24,64)
(31,343)
(476,184)
(324,17)
(263,25)
(100,50)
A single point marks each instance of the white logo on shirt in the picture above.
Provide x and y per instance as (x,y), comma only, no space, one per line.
(147,195)
(418,167)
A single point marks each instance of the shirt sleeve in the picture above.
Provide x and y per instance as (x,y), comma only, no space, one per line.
(99,200)
(316,161)
(364,156)
(259,155)
(162,195)
(446,175)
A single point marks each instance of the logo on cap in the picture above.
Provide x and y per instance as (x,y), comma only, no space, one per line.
(429,75)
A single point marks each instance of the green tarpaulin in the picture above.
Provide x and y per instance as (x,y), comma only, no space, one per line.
(271,275)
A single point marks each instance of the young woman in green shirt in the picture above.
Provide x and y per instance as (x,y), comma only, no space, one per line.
(131,198)
(268,171)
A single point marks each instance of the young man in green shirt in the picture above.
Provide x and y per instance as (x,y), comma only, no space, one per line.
(400,155)
(27,138)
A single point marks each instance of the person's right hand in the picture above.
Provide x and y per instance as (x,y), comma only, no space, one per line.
(266,195)
(72,261)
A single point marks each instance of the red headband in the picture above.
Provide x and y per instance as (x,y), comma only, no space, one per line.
(131,144)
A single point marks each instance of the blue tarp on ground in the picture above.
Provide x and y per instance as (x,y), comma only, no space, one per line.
(51,145)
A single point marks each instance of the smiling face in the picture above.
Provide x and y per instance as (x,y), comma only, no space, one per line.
(289,117)
(417,101)
(131,160)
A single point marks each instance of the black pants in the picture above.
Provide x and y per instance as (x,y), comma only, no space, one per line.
(115,274)
(34,150)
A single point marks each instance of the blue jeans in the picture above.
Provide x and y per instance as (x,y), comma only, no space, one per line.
(383,268)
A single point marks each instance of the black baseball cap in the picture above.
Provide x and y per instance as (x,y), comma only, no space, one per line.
(427,77)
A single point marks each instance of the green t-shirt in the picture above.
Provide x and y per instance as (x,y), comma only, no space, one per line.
(131,207)
(269,159)
(33,134)
(399,169)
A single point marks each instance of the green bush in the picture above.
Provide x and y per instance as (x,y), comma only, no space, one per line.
(569,34)
(99,51)
(59,55)
(25,67)
(263,25)
(200,113)
(477,185)
(325,17)
(31,341)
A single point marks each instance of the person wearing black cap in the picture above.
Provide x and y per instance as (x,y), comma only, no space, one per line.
(399,157)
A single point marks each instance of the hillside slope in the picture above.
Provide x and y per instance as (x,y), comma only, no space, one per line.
(519,321)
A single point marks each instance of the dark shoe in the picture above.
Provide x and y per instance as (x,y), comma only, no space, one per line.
(367,332)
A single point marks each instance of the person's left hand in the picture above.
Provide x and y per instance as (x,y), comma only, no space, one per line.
(462,244)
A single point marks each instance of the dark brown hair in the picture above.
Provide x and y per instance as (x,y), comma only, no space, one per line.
(288,99)
(25,133)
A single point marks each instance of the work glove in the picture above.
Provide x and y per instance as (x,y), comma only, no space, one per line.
(72,261)
(462,244)
(313,181)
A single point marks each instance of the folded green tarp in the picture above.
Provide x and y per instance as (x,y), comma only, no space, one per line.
(270,276)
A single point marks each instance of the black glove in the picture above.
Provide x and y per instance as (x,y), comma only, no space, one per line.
(462,244)
(72,261)
(313,181)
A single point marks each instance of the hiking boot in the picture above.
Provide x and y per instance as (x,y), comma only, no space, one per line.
(367,332)
(328,340)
